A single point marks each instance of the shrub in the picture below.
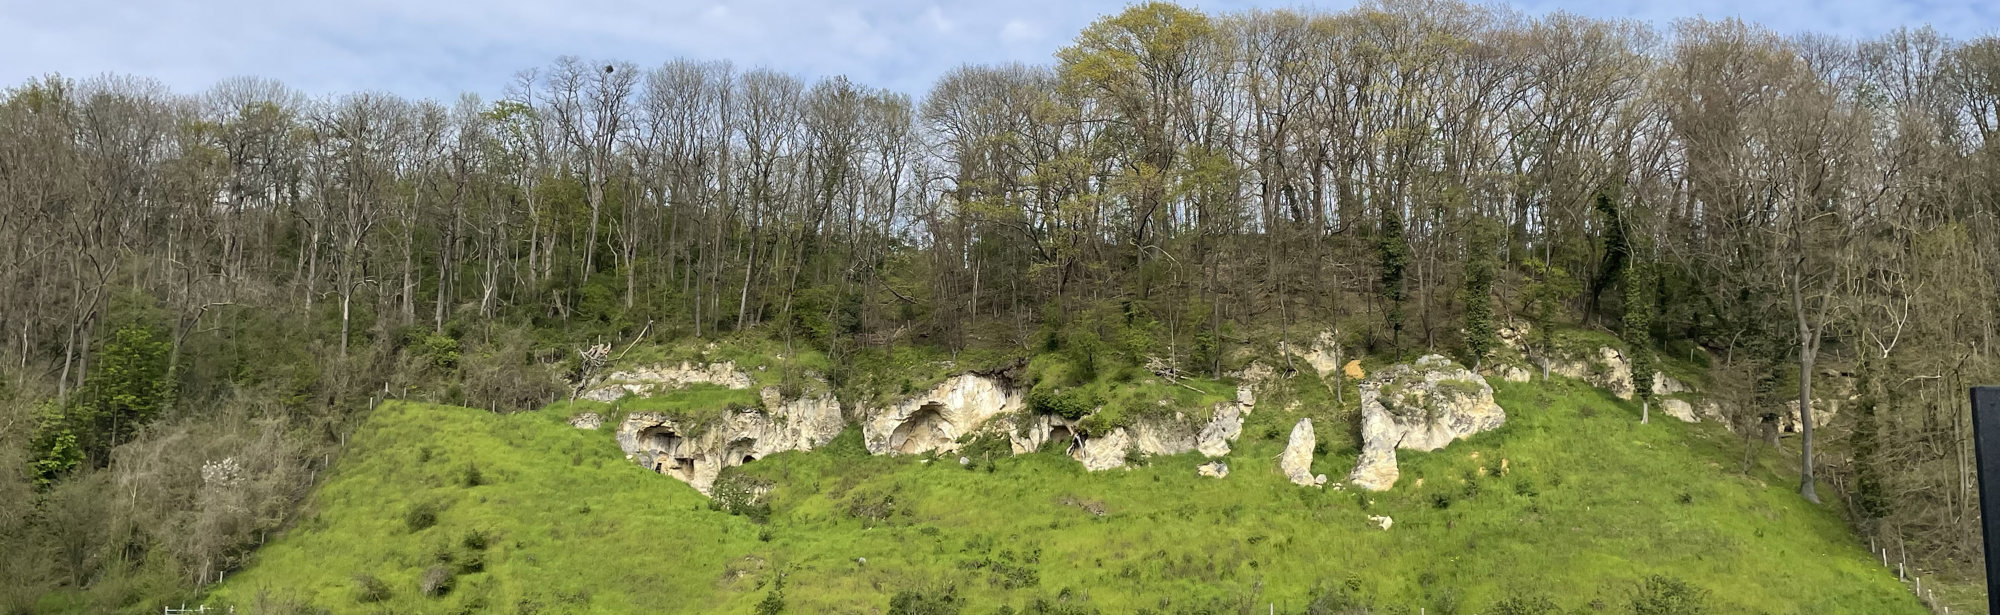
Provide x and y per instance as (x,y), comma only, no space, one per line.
(1665,595)
(1525,605)
(421,516)
(940,602)
(472,477)
(1071,404)
(367,588)
(437,581)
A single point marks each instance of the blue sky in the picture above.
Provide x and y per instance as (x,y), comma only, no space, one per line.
(438,49)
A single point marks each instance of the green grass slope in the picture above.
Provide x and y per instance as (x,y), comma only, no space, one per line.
(556,521)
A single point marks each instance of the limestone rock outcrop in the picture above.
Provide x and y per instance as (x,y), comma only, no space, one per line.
(697,453)
(1296,462)
(1609,370)
(934,420)
(1679,409)
(1105,452)
(1423,406)
(1212,469)
(657,379)
(587,420)
(1223,428)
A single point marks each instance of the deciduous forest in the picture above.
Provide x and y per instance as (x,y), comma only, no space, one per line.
(202,293)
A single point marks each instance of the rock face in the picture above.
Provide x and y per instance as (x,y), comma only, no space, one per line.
(696,454)
(587,420)
(934,420)
(1608,370)
(1667,385)
(1679,409)
(660,378)
(1323,356)
(1419,406)
(1222,429)
(1105,452)
(1297,460)
(1038,431)
(1212,469)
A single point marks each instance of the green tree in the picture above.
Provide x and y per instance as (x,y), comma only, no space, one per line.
(1637,334)
(1545,296)
(1479,273)
(1395,252)
(128,387)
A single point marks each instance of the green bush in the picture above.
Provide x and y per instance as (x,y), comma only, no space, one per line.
(1071,404)
(1665,595)
(1525,605)
(421,516)
(936,602)
(367,588)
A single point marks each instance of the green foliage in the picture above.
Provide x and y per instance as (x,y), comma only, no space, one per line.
(421,516)
(737,493)
(54,445)
(128,386)
(944,601)
(1480,270)
(774,601)
(1131,537)
(1525,605)
(1551,289)
(1638,328)
(1871,498)
(1666,595)
(1394,251)
(1071,404)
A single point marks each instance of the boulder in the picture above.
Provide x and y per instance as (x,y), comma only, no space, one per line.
(1213,469)
(1383,521)
(934,420)
(1514,373)
(587,420)
(1104,452)
(1679,409)
(1422,406)
(1296,462)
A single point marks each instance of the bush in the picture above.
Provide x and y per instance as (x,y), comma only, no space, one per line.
(472,477)
(437,581)
(1665,595)
(367,588)
(1071,404)
(1525,605)
(421,516)
(912,602)
(739,494)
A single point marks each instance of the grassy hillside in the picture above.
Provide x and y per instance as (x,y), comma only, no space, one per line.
(1572,501)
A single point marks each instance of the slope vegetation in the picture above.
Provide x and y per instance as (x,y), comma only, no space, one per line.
(446,509)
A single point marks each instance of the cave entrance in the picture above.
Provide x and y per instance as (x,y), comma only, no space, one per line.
(925,430)
(1061,433)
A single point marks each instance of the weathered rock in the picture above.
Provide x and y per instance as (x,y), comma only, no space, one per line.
(587,420)
(1222,429)
(1419,406)
(1679,409)
(1162,435)
(1323,356)
(1214,469)
(1105,452)
(1033,431)
(934,420)
(1713,411)
(657,379)
(1667,385)
(696,454)
(1383,521)
(1296,462)
(1515,373)
(1608,370)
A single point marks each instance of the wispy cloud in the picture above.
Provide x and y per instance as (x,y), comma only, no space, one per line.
(441,48)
